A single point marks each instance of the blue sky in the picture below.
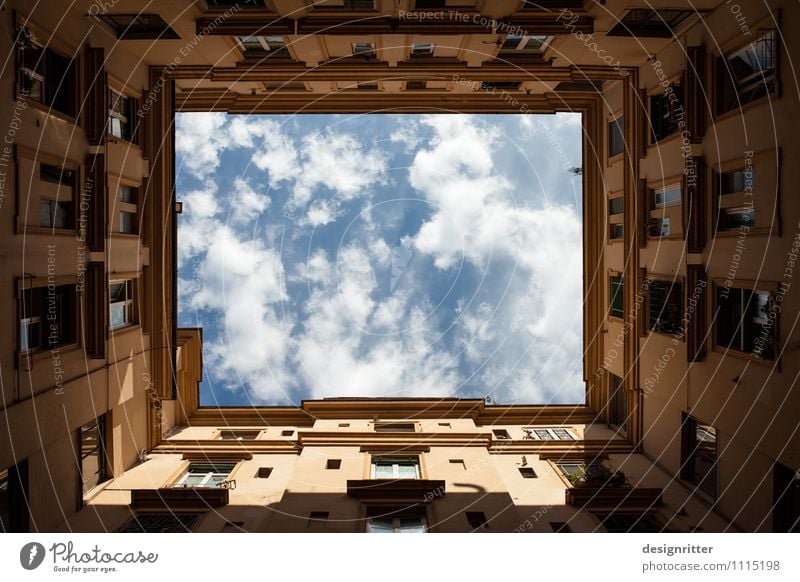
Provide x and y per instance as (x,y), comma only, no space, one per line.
(382,255)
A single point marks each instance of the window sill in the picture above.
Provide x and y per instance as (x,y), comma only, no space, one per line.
(616,319)
(46,352)
(125,235)
(773,96)
(111,138)
(37,230)
(50,112)
(96,490)
(673,335)
(123,329)
(758,231)
(747,357)
(615,158)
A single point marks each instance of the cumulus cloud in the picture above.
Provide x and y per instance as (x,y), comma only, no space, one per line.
(357,316)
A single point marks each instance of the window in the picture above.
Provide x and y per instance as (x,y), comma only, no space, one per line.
(616,232)
(618,405)
(121,308)
(476,520)
(667,214)
(570,469)
(458,463)
(650,22)
(238,435)
(287,433)
(57,201)
(416,85)
(616,205)
(333,464)
(367,85)
(665,306)
(264,46)
(49,78)
(699,455)
(736,218)
(14,498)
(429,4)
(120,115)
(285,86)
(501,434)
(616,136)
(93,453)
(48,317)
(735,182)
(743,323)
(264,472)
(143,26)
(665,113)
(527,473)
(667,196)
(344,424)
(127,200)
(525,44)
(445,425)
(407,524)
(560,527)
(364,50)
(549,434)
(395,427)
(395,468)
(206,475)
(617,296)
(160,523)
(747,74)
(746,194)
(422,49)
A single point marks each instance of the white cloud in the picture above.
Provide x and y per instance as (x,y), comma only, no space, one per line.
(247,203)
(200,138)
(478,221)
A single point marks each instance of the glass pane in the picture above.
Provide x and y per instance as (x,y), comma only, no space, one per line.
(116,314)
(382,471)
(46,213)
(127,223)
(115,126)
(616,205)
(61,215)
(668,197)
(126,194)
(380,525)
(192,480)
(407,471)
(116,291)
(411,525)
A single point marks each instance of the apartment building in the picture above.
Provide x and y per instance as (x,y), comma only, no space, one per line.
(690,363)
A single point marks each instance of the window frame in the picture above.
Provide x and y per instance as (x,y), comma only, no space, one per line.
(678,106)
(178,482)
(102,451)
(393,426)
(118,206)
(765,166)
(134,123)
(27,192)
(129,303)
(616,219)
(672,281)
(771,289)
(272,47)
(613,118)
(673,211)
(612,316)
(396,519)
(688,472)
(52,48)
(531,434)
(74,312)
(738,44)
(395,461)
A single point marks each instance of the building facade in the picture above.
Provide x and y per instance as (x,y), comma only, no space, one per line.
(690,363)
